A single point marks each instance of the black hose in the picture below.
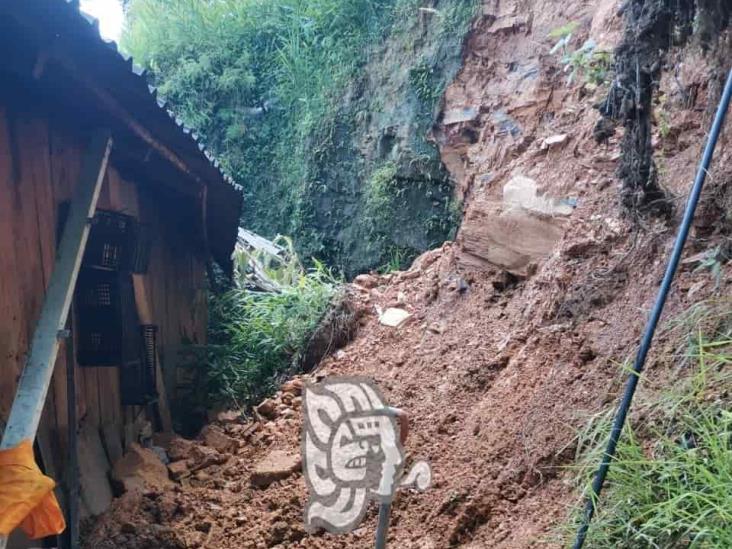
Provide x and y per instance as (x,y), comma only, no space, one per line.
(645,344)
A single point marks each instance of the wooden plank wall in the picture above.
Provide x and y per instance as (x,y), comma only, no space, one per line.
(178,290)
(39,166)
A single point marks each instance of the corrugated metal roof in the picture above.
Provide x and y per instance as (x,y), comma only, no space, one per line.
(141,73)
(72,40)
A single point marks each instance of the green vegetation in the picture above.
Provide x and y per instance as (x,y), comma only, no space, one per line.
(586,62)
(671,484)
(713,261)
(257,337)
(304,100)
(564,31)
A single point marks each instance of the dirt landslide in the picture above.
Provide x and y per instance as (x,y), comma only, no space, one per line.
(504,356)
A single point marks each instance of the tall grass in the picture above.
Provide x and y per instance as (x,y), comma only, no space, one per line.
(671,482)
(256,338)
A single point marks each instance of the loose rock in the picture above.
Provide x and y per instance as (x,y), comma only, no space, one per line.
(278,465)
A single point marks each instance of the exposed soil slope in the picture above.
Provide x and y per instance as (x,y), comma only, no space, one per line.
(497,370)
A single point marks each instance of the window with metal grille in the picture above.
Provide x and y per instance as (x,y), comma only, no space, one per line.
(99,322)
(137,376)
(117,242)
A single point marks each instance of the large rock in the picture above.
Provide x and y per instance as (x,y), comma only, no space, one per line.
(278,465)
(393,317)
(511,234)
(522,193)
(463,114)
(140,469)
(293,387)
(179,448)
(268,408)
(215,438)
(205,456)
(179,469)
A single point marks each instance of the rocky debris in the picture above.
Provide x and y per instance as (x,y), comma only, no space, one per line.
(438,327)
(293,387)
(366,281)
(179,469)
(524,227)
(512,240)
(140,469)
(554,141)
(393,317)
(205,456)
(580,248)
(522,193)
(228,416)
(278,465)
(179,448)
(268,409)
(280,531)
(455,116)
(214,437)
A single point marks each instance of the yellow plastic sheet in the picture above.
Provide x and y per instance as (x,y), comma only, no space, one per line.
(26,495)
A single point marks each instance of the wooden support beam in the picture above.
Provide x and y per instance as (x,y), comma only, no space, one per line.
(30,397)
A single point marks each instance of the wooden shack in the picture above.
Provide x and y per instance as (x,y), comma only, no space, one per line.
(165,213)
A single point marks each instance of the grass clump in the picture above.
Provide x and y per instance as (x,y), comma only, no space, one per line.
(671,482)
(587,61)
(256,338)
(382,192)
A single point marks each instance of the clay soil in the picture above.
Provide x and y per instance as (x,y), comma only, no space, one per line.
(498,372)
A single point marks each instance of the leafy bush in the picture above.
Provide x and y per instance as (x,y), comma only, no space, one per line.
(671,482)
(587,61)
(256,338)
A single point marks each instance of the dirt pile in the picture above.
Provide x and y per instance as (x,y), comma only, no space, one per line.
(508,348)
(495,385)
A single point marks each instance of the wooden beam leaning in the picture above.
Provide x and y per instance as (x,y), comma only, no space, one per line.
(33,386)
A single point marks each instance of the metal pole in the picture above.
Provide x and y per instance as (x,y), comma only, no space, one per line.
(25,414)
(645,345)
(383,526)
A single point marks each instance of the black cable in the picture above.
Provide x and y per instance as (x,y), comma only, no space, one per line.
(673,263)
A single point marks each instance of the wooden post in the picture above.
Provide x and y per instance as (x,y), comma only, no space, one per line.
(30,397)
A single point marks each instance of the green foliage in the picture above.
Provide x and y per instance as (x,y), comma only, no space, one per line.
(277,90)
(256,338)
(713,260)
(671,483)
(564,31)
(422,78)
(398,259)
(381,192)
(586,62)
